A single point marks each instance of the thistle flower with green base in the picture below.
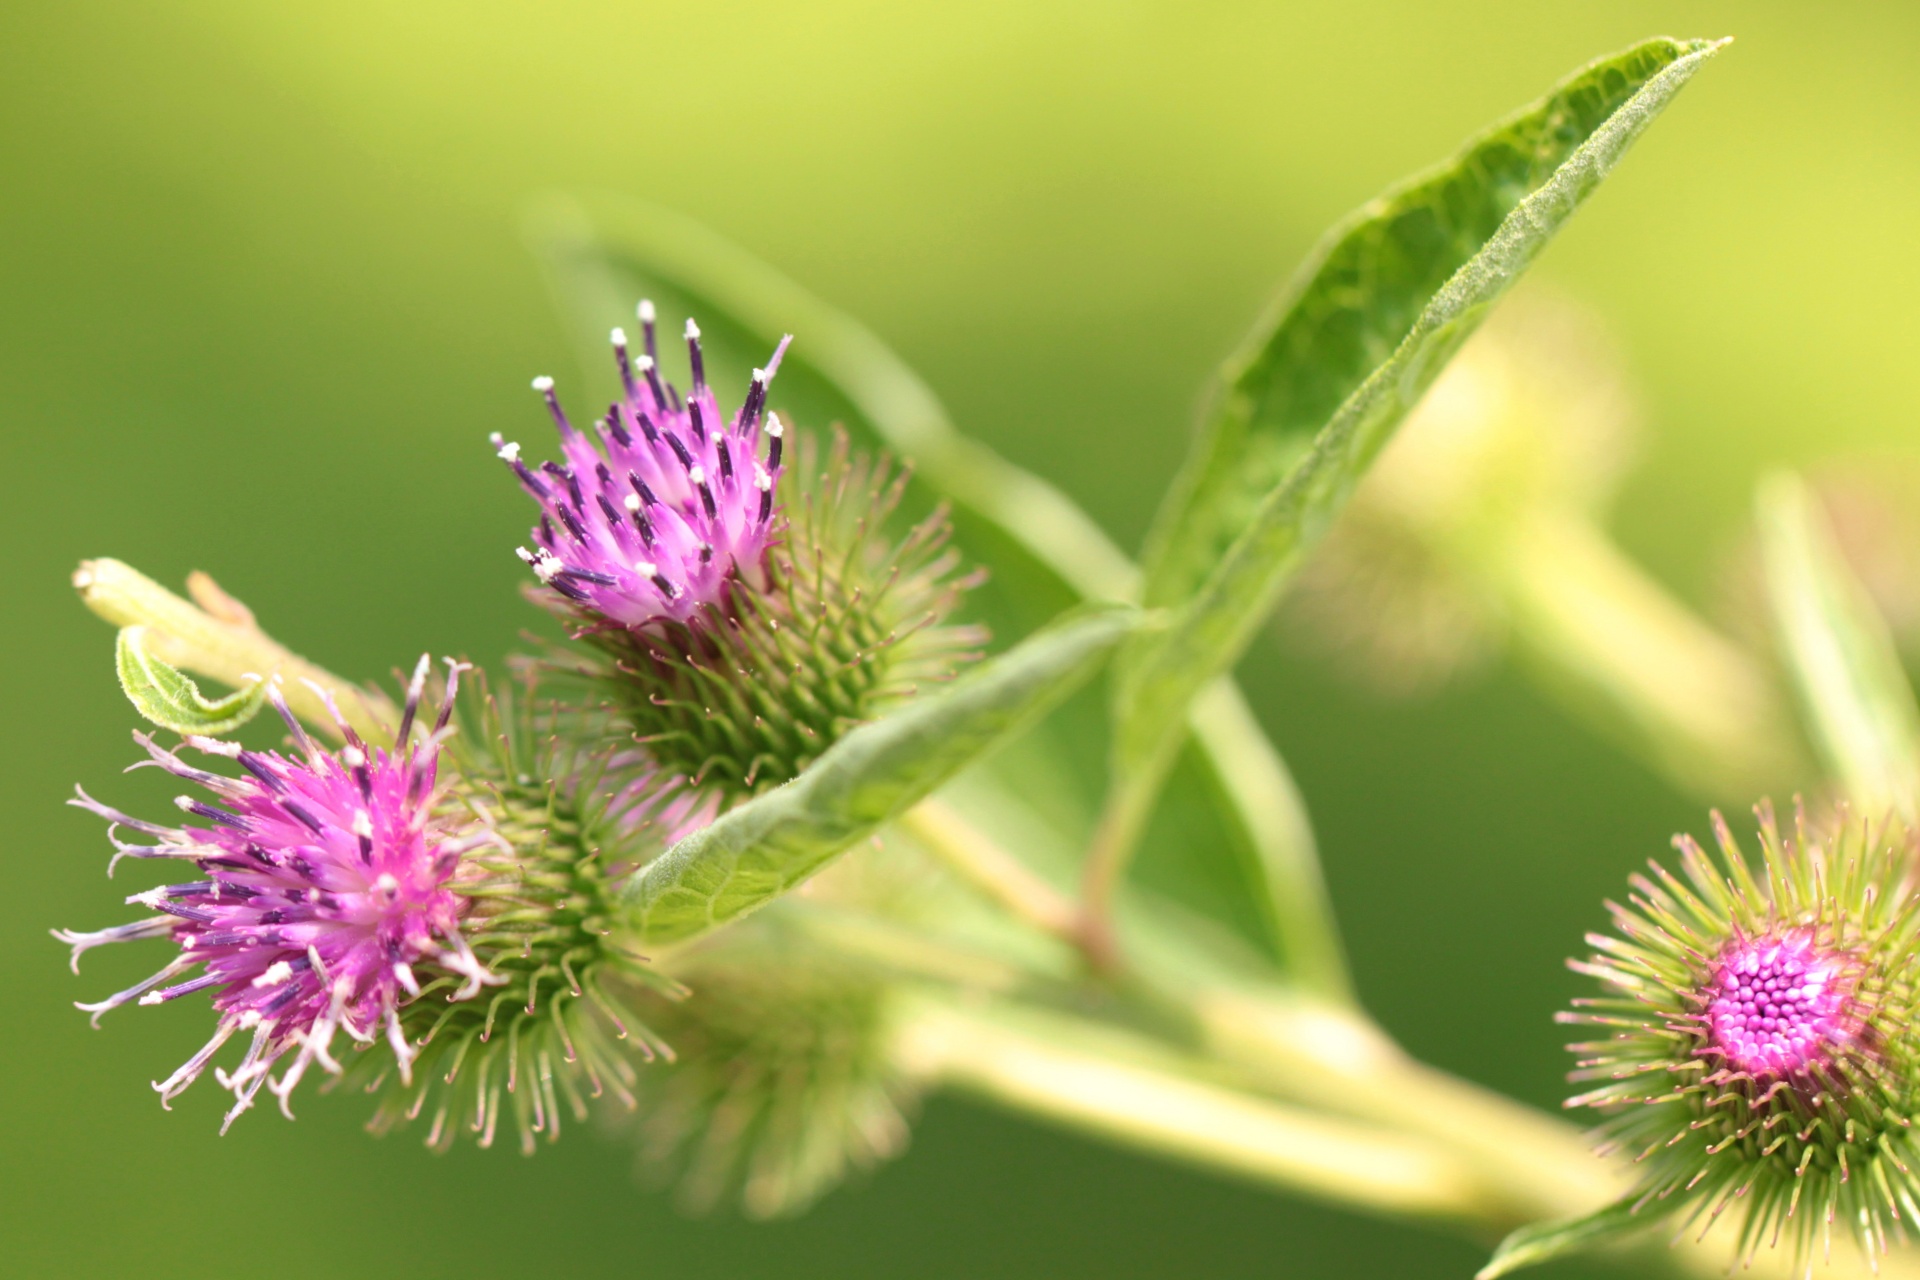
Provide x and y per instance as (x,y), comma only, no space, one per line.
(326,902)
(1760,1054)
(572,808)
(740,690)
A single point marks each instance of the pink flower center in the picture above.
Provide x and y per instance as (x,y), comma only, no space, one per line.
(1778,1006)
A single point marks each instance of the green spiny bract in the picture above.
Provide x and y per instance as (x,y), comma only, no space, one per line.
(843,621)
(782,1083)
(1761,1054)
(573,808)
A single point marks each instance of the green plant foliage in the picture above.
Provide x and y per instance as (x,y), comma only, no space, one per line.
(1539,1242)
(1852,687)
(163,695)
(1344,355)
(763,848)
(1042,554)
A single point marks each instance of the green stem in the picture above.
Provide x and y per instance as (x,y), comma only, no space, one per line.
(1129,804)
(1613,640)
(969,853)
(1431,1146)
(1113,1086)
(1334,1058)
(1853,690)
(1282,859)
(217,638)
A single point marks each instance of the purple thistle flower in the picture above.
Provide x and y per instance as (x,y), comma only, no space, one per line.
(652,520)
(327,878)
(1756,1038)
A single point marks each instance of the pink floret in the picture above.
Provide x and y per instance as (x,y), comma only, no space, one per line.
(1779,1006)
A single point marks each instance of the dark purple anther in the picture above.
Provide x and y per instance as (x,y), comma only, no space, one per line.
(646,313)
(544,385)
(694,360)
(620,358)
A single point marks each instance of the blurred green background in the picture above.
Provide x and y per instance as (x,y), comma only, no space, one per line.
(262,297)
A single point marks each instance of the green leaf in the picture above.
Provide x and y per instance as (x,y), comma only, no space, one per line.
(1857,702)
(760,850)
(172,701)
(1316,392)
(1540,1242)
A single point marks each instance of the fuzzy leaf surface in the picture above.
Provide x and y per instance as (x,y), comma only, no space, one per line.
(1349,348)
(163,695)
(1854,692)
(763,848)
(1539,1242)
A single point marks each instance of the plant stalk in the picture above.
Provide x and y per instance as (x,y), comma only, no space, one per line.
(215,636)
(1592,622)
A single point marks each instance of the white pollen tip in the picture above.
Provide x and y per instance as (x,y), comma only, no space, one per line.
(645,568)
(543,383)
(644,364)
(250,1019)
(354,756)
(184,802)
(510,451)
(715,436)
(693,330)
(363,824)
(495,439)
(645,311)
(385,884)
(773,426)
(631,502)
(759,375)
(619,337)
(761,480)
(277,972)
(152,997)
(698,475)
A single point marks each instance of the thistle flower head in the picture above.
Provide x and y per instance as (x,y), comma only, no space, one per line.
(845,620)
(651,516)
(1760,1052)
(325,892)
(570,808)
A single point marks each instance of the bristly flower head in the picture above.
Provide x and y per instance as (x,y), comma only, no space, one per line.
(653,520)
(326,892)
(573,808)
(1762,1053)
(742,629)
(845,621)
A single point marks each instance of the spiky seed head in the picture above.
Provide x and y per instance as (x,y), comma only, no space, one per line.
(1758,1055)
